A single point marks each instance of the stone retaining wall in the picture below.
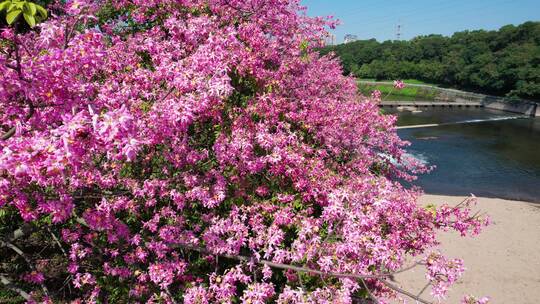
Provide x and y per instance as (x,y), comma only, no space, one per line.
(491,102)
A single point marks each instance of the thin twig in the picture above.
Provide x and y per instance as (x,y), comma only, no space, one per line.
(423,289)
(168,292)
(57,241)
(371,296)
(402,291)
(407,268)
(11,131)
(69,32)
(167,94)
(467,199)
(301,282)
(245,13)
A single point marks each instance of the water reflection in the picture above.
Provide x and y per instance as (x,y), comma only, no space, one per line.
(494,159)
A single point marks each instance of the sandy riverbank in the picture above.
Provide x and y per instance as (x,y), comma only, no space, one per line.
(502,262)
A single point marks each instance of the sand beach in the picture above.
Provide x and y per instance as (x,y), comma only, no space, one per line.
(503,262)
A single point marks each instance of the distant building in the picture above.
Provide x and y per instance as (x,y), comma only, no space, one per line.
(350,38)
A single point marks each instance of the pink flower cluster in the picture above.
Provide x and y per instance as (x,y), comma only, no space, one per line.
(398,84)
(376,95)
(174,145)
(34,277)
(442,273)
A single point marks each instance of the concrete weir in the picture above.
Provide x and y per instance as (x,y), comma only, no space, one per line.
(461,122)
(429,104)
(520,107)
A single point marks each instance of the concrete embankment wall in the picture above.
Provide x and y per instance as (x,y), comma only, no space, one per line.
(530,109)
(491,102)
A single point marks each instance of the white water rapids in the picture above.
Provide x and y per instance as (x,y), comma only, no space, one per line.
(462,122)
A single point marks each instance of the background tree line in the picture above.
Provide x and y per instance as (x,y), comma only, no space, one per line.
(503,62)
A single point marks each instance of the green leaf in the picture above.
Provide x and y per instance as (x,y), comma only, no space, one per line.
(304,45)
(4,5)
(32,8)
(11,7)
(26,9)
(30,19)
(11,16)
(41,11)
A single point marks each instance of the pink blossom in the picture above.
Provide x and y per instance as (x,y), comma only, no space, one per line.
(7,33)
(442,273)
(258,293)
(196,295)
(34,277)
(376,95)
(83,279)
(398,84)
(262,191)
(161,274)
(267,272)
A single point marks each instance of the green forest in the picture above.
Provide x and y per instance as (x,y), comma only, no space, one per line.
(503,62)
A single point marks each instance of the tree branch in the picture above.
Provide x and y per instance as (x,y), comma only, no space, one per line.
(24,230)
(380,277)
(9,285)
(28,261)
(18,69)
(245,13)
(287,266)
(11,131)
(69,31)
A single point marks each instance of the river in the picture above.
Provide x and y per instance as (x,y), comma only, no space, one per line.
(487,153)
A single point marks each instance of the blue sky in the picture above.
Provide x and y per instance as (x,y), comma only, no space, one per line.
(379,18)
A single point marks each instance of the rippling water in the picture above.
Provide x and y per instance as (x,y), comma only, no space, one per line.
(494,158)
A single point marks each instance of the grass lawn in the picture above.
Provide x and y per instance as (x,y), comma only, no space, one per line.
(406,94)
(406,81)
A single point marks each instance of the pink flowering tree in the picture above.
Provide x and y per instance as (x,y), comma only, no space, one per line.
(200,152)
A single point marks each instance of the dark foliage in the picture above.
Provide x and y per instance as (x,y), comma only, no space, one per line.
(503,62)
